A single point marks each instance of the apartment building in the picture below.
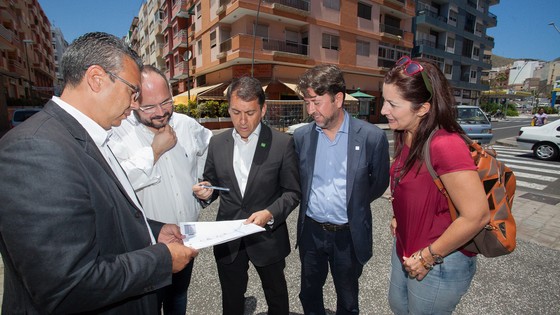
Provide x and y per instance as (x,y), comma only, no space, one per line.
(453,34)
(205,44)
(27,69)
(59,45)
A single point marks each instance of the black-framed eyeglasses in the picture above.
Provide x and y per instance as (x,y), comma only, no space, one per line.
(411,67)
(150,109)
(135,89)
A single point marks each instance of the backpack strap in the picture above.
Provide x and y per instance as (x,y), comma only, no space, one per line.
(435,177)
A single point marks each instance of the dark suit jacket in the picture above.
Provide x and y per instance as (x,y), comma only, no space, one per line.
(367,177)
(71,239)
(273,184)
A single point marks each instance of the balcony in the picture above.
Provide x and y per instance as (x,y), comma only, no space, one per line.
(391,30)
(181,39)
(492,20)
(181,70)
(300,7)
(284,46)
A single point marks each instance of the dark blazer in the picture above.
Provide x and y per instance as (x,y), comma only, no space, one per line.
(71,239)
(273,184)
(367,177)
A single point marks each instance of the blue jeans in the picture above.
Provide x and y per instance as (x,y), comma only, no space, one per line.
(319,250)
(438,293)
(174,296)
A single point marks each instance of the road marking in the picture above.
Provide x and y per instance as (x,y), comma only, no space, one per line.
(521,183)
(536,170)
(535,176)
(528,162)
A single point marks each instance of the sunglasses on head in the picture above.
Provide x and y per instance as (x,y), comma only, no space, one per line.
(411,67)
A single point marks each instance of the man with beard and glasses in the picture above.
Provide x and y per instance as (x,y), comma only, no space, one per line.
(160,152)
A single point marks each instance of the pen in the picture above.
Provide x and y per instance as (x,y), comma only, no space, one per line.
(215,187)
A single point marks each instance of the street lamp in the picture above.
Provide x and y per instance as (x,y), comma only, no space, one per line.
(554,25)
(25,42)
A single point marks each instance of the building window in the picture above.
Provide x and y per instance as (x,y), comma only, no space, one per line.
(213,39)
(364,11)
(198,11)
(467,47)
(332,4)
(330,41)
(450,42)
(199,47)
(453,16)
(470,21)
(362,48)
(473,74)
(476,53)
(262,31)
(479,29)
(448,69)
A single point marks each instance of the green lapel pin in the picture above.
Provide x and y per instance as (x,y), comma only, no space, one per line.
(263,145)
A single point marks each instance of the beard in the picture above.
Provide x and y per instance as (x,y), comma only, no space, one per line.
(150,122)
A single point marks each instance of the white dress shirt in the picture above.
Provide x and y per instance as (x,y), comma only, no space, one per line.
(243,153)
(164,188)
(101,137)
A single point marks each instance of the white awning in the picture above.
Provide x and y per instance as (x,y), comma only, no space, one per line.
(293,87)
(181,98)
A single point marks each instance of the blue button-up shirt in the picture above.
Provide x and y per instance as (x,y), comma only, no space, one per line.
(327,201)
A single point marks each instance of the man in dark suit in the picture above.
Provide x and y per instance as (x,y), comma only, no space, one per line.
(344,166)
(259,166)
(73,236)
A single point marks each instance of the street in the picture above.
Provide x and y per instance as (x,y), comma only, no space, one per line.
(524,282)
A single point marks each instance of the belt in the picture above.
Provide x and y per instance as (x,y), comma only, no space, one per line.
(330,227)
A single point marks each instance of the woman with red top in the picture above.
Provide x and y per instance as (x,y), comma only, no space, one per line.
(430,270)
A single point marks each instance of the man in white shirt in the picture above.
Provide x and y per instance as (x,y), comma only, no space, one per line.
(161,152)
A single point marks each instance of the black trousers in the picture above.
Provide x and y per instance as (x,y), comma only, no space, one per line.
(234,278)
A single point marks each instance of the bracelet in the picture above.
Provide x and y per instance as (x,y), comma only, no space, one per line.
(423,261)
(438,259)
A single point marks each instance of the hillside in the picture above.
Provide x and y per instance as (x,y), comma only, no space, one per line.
(498,61)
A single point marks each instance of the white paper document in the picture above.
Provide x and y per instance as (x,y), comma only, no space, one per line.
(204,234)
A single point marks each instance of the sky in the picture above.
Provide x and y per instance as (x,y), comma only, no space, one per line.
(523,29)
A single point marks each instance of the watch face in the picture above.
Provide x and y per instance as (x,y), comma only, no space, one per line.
(437,259)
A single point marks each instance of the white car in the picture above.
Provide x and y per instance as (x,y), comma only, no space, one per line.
(292,128)
(543,140)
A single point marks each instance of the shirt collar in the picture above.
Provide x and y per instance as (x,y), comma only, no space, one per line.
(343,128)
(99,135)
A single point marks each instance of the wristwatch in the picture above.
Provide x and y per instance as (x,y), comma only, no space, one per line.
(438,259)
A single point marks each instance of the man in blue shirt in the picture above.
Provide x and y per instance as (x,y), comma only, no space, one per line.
(344,166)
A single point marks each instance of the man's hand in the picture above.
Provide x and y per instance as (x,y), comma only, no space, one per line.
(164,140)
(201,192)
(181,255)
(170,233)
(260,218)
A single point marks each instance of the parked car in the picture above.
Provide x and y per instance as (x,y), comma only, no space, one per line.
(292,128)
(543,140)
(475,123)
(20,115)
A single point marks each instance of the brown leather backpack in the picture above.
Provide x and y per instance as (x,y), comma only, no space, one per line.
(497,238)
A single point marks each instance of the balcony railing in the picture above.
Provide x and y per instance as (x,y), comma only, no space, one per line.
(391,30)
(296,4)
(429,43)
(284,46)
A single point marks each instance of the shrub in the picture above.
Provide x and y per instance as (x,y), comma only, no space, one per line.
(223,111)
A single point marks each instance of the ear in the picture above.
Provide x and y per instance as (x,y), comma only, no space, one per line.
(263,110)
(424,109)
(94,77)
(339,99)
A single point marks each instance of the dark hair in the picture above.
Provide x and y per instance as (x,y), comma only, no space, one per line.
(442,113)
(247,89)
(322,79)
(105,50)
